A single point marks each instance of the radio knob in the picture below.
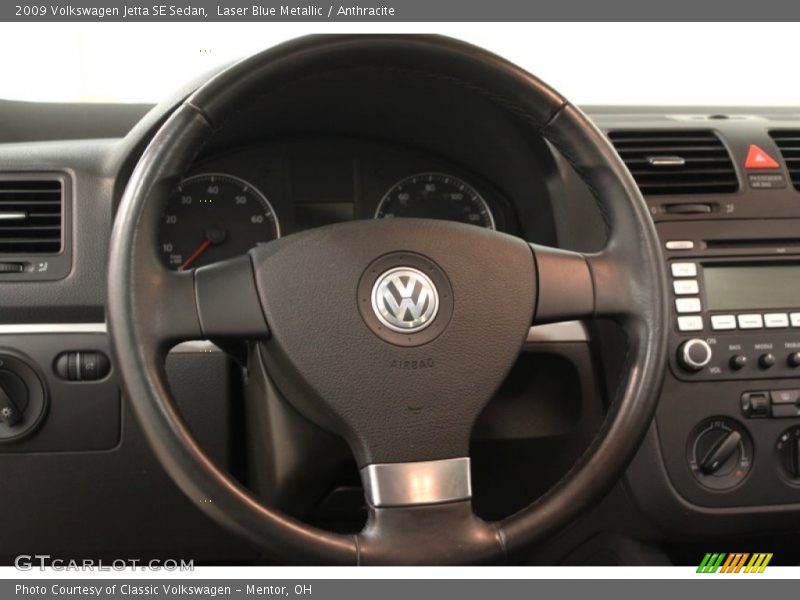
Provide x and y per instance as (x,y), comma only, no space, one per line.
(794,359)
(738,362)
(694,354)
(765,361)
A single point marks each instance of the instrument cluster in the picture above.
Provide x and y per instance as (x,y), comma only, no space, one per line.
(232,202)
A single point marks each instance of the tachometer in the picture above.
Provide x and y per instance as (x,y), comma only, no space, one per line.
(436,196)
(212,217)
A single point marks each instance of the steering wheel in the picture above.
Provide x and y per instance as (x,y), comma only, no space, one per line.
(393,334)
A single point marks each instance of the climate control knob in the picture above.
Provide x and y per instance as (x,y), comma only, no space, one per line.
(720,453)
(694,354)
(788,448)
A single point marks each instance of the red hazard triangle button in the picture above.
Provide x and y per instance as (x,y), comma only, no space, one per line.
(757,158)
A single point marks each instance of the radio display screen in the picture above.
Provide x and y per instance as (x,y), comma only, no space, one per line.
(761,287)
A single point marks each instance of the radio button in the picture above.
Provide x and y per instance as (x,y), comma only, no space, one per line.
(722,322)
(751,321)
(765,361)
(784,411)
(679,245)
(685,287)
(738,362)
(755,404)
(683,269)
(774,320)
(690,323)
(694,355)
(795,317)
(688,305)
(785,396)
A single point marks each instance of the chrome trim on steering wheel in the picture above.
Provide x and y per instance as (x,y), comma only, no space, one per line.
(415,483)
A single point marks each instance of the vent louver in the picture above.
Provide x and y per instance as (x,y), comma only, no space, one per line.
(677,162)
(788,142)
(30,216)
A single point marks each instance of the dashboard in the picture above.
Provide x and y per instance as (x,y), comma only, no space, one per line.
(722,457)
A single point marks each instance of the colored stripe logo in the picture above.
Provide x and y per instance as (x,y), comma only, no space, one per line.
(736,562)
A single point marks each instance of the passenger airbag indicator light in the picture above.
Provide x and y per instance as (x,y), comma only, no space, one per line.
(757,158)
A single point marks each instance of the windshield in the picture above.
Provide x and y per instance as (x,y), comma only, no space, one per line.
(625,64)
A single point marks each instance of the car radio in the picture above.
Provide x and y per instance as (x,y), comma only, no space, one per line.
(735,296)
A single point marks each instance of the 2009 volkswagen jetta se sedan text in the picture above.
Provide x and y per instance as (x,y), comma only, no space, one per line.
(391,299)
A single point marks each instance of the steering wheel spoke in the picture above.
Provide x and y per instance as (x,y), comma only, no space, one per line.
(565,287)
(575,285)
(173,309)
(442,534)
(218,302)
(228,304)
(421,513)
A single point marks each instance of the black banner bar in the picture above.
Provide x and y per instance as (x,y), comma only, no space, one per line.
(398,11)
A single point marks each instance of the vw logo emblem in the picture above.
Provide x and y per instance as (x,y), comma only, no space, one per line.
(405,300)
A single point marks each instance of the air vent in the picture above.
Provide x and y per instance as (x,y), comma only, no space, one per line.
(788,142)
(30,216)
(677,162)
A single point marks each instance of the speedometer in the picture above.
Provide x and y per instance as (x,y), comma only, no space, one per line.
(212,217)
(436,196)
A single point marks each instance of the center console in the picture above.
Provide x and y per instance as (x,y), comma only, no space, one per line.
(723,453)
(729,418)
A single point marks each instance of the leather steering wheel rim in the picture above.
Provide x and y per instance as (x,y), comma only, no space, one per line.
(625,282)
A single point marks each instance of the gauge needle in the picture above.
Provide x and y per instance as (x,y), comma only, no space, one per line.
(195,255)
